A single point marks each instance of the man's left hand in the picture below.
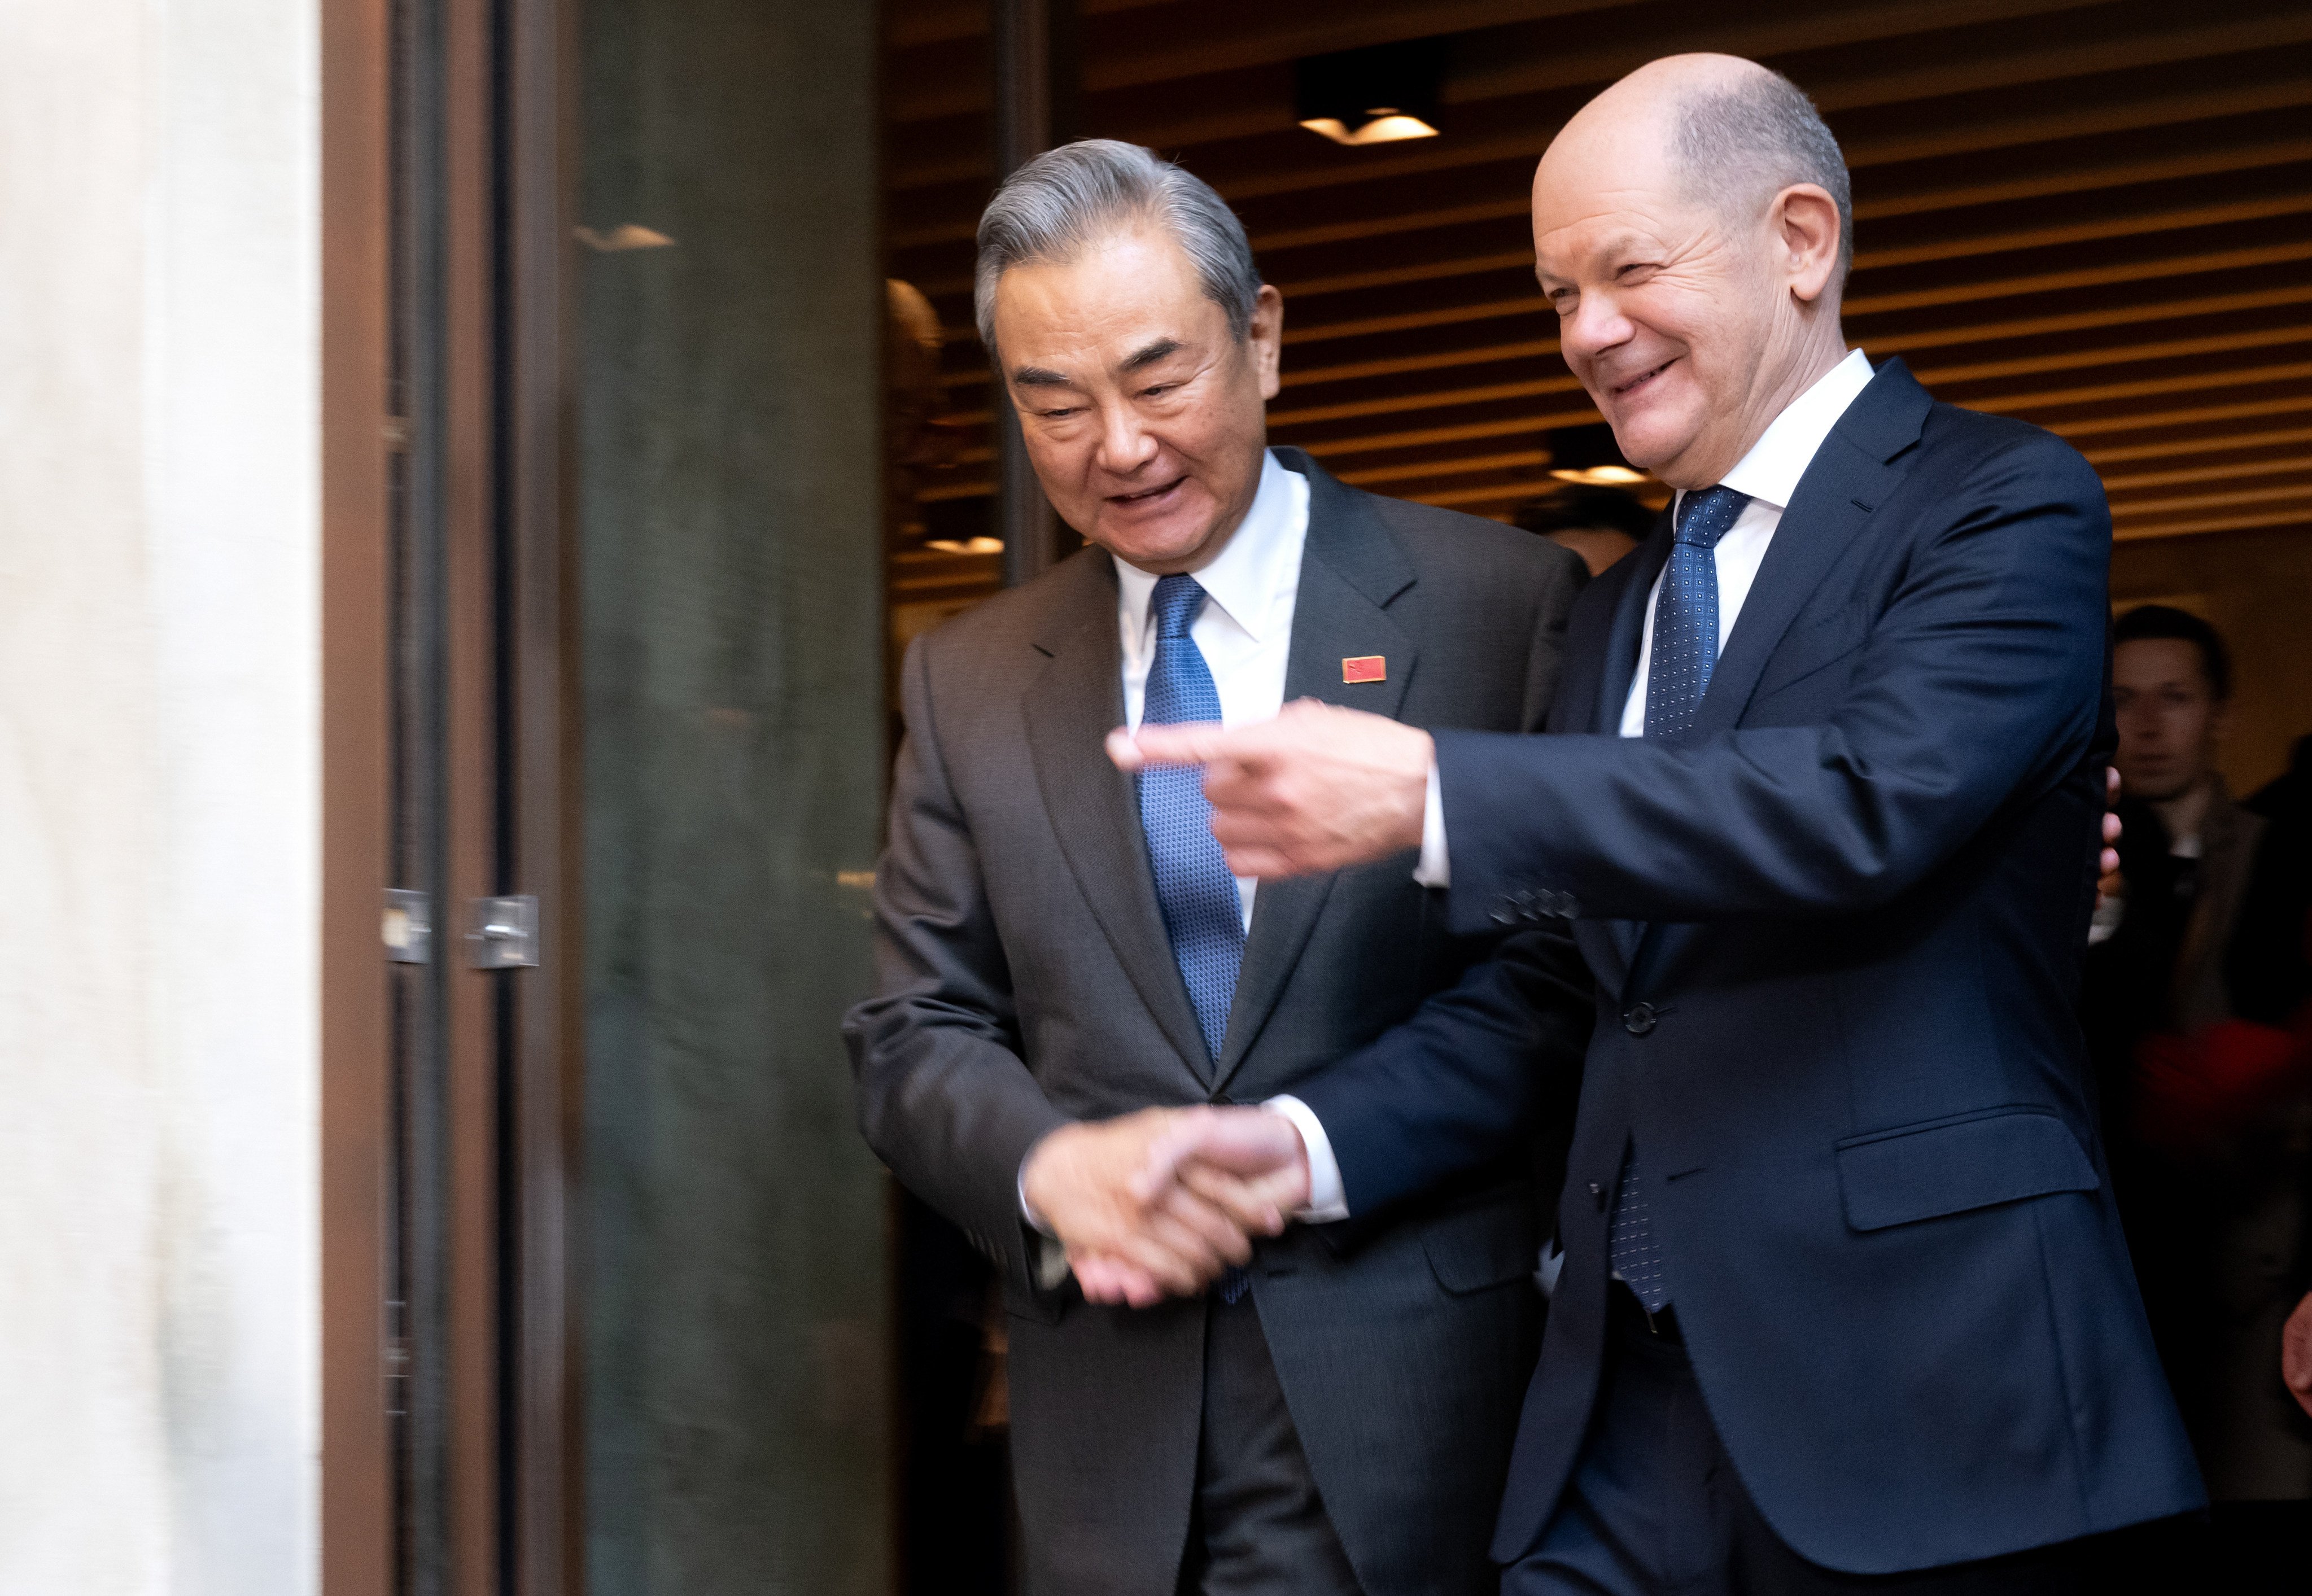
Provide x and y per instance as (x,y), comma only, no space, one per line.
(1318,788)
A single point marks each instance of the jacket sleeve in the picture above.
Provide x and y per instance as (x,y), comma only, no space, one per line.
(1978,687)
(1484,1065)
(1472,1076)
(944,1097)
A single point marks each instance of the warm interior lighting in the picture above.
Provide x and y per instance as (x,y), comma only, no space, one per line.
(1601,476)
(967,544)
(1386,127)
(619,240)
(1378,95)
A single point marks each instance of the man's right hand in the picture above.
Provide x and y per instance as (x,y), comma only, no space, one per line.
(1130,1238)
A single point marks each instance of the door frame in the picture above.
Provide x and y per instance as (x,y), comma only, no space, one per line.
(444,209)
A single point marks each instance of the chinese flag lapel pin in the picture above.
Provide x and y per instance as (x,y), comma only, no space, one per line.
(1368,667)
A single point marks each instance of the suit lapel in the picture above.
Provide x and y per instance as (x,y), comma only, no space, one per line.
(1351,567)
(1609,945)
(1070,709)
(1644,563)
(1842,488)
(1843,485)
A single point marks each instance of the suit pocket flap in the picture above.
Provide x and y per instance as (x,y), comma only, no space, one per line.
(1479,1247)
(1045,1307)
(1950,1166)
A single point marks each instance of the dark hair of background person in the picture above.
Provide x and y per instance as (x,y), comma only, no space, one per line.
(1586,509)
(2148,623)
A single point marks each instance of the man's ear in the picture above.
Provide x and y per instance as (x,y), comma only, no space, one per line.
(1805,221)
(1265,338)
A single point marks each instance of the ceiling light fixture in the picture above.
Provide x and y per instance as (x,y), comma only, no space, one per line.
(1383,94)
(1601,476)
(1589,457)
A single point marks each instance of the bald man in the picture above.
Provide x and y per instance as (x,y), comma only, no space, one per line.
(1844,1303)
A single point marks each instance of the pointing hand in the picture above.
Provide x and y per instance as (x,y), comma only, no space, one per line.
(1318,788)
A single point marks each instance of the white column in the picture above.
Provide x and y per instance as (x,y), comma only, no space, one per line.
(159,797)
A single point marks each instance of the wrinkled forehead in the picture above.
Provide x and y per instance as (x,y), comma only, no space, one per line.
(1595,234)
(1127,287)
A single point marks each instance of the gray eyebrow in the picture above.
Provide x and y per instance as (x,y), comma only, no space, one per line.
(1147,355)
(1150,354)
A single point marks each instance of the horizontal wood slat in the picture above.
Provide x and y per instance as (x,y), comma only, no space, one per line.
(2095,214)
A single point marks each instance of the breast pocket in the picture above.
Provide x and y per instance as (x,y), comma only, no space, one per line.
(1953,1165)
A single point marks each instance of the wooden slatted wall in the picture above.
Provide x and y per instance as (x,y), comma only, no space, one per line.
(2095,216)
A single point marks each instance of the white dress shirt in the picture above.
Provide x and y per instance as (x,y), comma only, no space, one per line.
(1245,628)
(1244,631)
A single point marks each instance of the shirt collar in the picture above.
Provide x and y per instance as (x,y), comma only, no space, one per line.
(1771,470)
(1262,558)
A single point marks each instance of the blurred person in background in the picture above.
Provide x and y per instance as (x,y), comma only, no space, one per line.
(1600,524)
(2195,994)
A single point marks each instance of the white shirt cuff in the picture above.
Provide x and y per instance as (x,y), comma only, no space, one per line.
(1034,1220)
(1327,1200)
(1435,870)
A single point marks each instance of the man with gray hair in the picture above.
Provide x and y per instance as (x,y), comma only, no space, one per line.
(1068,973)
(1846,1304)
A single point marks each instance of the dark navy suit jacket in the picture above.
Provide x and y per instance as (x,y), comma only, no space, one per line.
(1836,931)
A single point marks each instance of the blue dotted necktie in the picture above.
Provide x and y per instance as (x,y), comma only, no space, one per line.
(1685,652)
(1203,915)
(1685,612)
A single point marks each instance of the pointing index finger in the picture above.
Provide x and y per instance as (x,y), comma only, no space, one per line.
(1196,742)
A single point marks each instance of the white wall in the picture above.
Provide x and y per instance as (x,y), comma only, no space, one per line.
(159,797)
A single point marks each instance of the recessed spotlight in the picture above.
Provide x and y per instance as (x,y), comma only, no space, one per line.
(1385,128)
(967,544)
(1587,457)
(1382,94)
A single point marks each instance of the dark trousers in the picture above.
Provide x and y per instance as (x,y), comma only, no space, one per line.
(1258,1527)
(1654,1508)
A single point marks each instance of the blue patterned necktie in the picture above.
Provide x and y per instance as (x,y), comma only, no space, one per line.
(1685,653)
(1203,915)
(1685,612)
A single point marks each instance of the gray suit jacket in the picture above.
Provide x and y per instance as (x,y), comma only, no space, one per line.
(1025,980)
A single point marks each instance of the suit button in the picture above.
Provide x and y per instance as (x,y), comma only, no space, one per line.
(1638,1019)
(1597,1196)
(1505,911)
(1568,906)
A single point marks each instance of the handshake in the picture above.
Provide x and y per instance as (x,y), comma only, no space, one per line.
(1159,1203)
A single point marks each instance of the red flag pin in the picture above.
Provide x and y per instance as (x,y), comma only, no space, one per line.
(1369,667)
